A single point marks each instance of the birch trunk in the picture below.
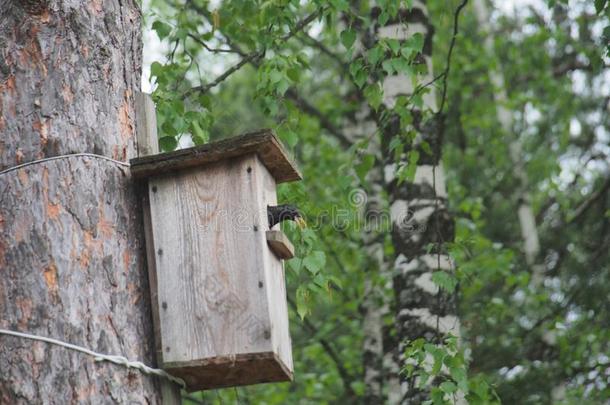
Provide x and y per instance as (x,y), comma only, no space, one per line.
(374,303)
(527,219)
(419,217)
(71,241)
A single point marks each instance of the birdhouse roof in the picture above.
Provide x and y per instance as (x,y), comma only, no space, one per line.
(264,143)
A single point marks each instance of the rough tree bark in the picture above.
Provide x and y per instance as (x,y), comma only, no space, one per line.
(419,213)
(71,243)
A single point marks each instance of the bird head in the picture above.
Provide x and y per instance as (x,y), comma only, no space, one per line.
(285,212)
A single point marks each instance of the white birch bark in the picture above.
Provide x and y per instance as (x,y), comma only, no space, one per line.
(527,219)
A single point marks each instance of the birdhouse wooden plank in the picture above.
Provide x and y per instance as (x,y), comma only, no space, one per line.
(218,288)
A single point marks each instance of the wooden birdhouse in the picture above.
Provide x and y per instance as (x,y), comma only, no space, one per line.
(215,267)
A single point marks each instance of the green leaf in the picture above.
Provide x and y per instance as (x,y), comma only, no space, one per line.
(322,281)
(394,143)
(302,59)
(163,30)
(459,376)
(206,101)
(199,135)
(394,45)
(407,172)
(338,283)
(355,67)
(296,264)
(374,95)
(361,78)
(275,76)
(425,146)
(156,69)
(291,138)
(293,74)
(358,72)
(387,66)
(444,280)
(168,143)
(169,129)
(178,107)
(364,166)
(438,397)
(314,262)
(437,354)
(375,54)
(283,86)
(181,34)
(309,236)
(340,5)
(303,302)
(599,5)
(448,387)
(403,66)
(348,37)
(383,18)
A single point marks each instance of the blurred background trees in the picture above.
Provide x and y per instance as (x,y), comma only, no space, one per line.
(522,115)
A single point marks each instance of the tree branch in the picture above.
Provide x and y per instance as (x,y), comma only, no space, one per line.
(213,50)
(306,39)
(324,121)
(445,73)
(249,58)
(588,203)
(291,93)
(252,55)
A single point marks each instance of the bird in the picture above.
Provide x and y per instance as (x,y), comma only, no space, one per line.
(282,212)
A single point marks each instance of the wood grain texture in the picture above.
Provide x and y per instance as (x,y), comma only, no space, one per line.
(221,291)
(222,372)
(146,129)
(280,245)
(146,125)
(263,143)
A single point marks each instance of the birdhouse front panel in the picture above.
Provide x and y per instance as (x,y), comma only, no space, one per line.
(220,291)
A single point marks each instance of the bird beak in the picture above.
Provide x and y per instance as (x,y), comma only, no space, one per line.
(301,222)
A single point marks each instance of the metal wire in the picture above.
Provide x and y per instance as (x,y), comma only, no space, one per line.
(120,360)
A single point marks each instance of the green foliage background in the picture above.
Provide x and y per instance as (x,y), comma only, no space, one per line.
(305,82)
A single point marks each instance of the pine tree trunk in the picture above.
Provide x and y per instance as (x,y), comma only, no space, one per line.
(71,242)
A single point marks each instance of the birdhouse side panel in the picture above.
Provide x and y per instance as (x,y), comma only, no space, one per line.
(207,229)
(275,280)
